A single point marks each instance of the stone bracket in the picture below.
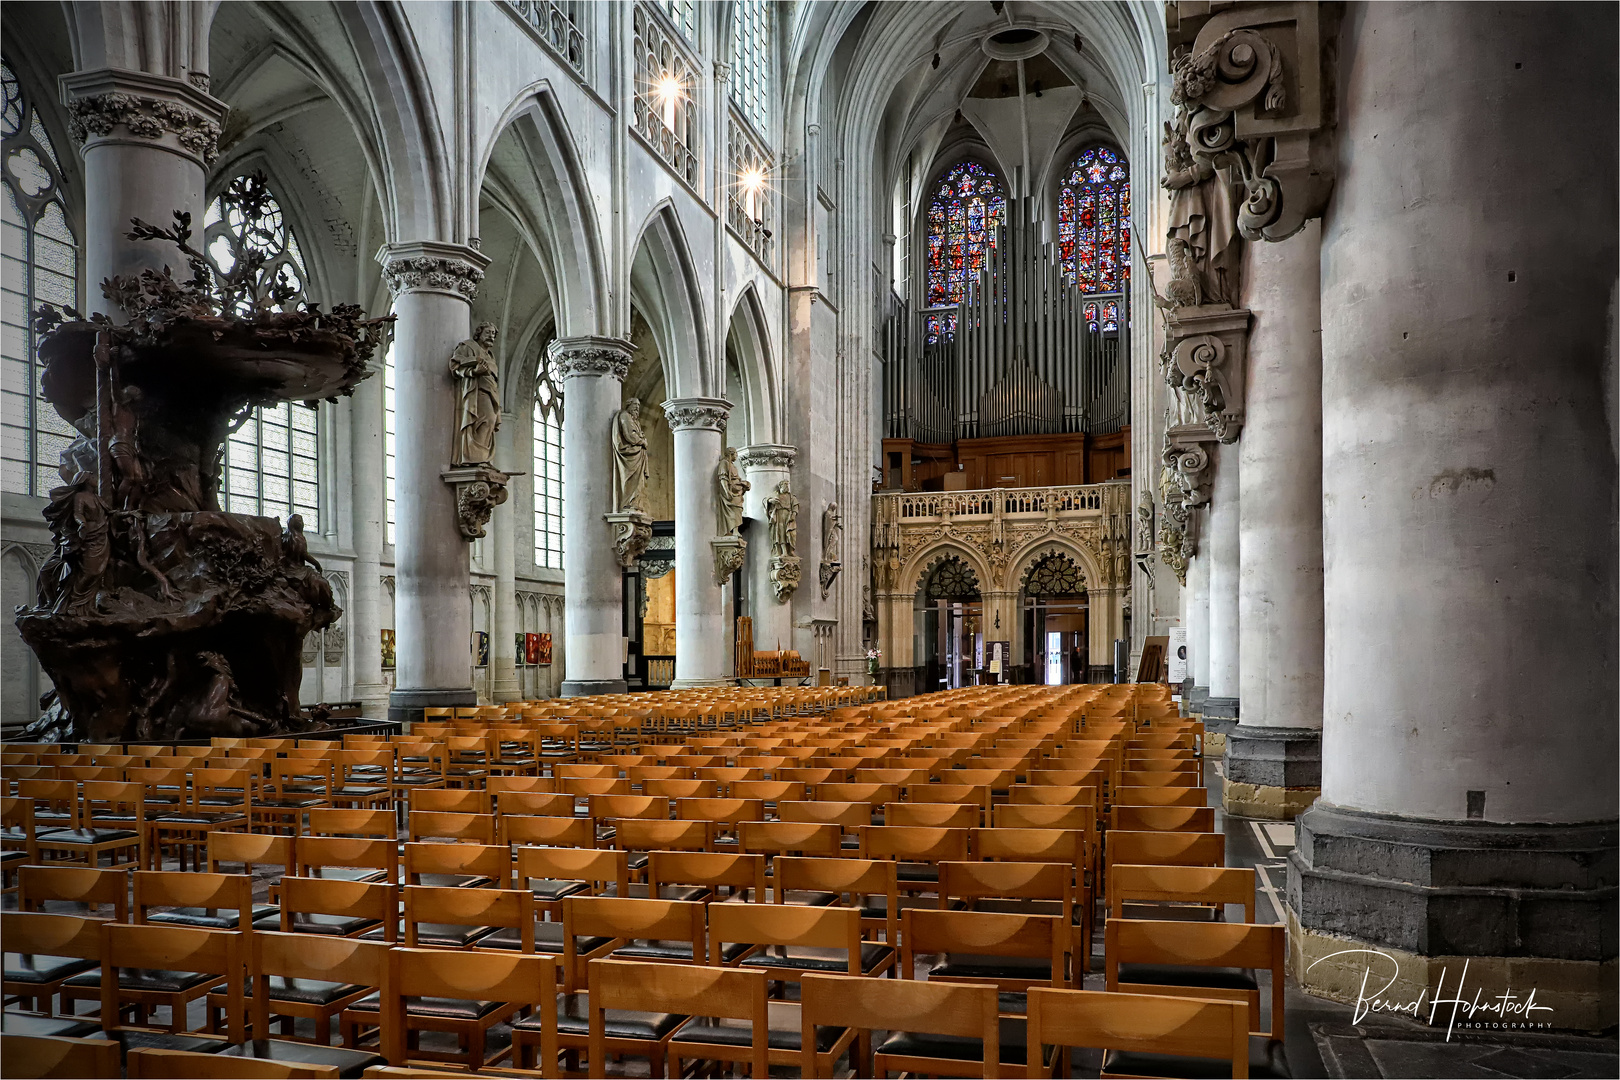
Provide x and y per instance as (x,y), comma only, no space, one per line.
(729,554)
(785,575)
(1207,347)
(632,533)
(479,490)
(829,574)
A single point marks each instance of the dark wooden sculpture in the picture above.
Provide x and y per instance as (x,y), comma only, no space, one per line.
(158,615)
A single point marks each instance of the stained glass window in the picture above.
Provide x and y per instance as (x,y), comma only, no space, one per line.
(681,13)
(272,462)
(751,59)
(967,205)
(1094,223)
(953,579)
(41,264)
(1102,316)
(548,489)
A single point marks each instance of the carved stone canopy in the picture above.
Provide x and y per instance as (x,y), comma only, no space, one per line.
(430,266)
(632,532)
(479,490)
(588,357)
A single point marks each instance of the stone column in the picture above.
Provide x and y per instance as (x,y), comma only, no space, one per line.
(702,656)
(503,620)
(1274,756)
(1220,540)
(591,370)
(1197,607)
(370,511)
(764,465)
(1469,747)
(433,285)
(147,142)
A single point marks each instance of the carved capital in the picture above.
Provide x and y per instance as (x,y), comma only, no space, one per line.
(767,456)
(704,414)
(1207,346)
(588,357)
(722,71)
(729,553)
(118,104)
(479,490)
(632,532)
(429,266)
(785,575)
(1186,463)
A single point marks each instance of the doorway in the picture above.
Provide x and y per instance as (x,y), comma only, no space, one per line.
(1057,619)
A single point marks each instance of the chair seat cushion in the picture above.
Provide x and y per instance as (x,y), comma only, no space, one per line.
(554,889)
(289,802)
(63,1027)
(358,791)
(152,980)
(1266,1059)
(438,1008)
(211,918)
(804,958)
(346,873)
(548,938)
(437,935)
(12,856)
(917,872)
(1176,912)
(309,991)
(39,968)
(452,881)
(971,966)
(802,897)
(135,1039)
(87,836)
(957,1047)
(675,950)
(349,1063)
(199,818)
(639,890)
(574,1018)
(305,922)
(782,1020)
(1222,978)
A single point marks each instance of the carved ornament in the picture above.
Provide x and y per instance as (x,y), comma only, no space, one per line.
(701,414)
(147,118)
(729,553)
(767,456)
(426,266)
(588,357)
(785,576)
(479,490)
(632,532)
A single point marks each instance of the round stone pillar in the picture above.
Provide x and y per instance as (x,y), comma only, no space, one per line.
(765,465)
(1220,540)
(591,370)
(702,634)
(503,680)
(147,142)
(367,459)
(1196,599)
(1469,747)
(1274,755)
(433,285)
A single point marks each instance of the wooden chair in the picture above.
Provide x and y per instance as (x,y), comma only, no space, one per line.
(310,977)
(473,828)
(638,837)
(714,999)
(949,792)
(348,858)
(552,874)
(215,799)
(800,939)
(1141,1034)
(458,865)
(154,1064)
(467,994)
(250,851)
(1164,849)
(294,786)
(18,833)
(570,832)
(168,967)
(1043,888)
(730,813)
(933,1029)
(43,952)
(457,918)
(1197,959)
(41,885)
(661,931)
(30,1057)
(932,815)
(706,870)
(1162,818)
(199,900)
(1014,952)
(775,839)
(917,851)
(338,908)
(1193,893)
(869,885)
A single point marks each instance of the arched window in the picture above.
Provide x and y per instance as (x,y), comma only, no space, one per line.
(548,484)
(41,261)
(751,60)
(1094,230)
(966,206)
(272,460)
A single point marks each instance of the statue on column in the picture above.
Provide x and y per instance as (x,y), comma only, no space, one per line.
(630,458)
(832,542)
(1202,249)
(732,489)
(479,413)
(783,511)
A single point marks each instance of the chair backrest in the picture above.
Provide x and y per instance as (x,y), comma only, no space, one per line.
(314,853)
(505,908)
(595,868)
(634,834)
(1180,885)
(1041,816)
(493,861)
(766,790)
(641,807)
(533,803)
(680,988)
(986,933)
(184,888)
(28,1057)
(473,975)
(790,837)
(152,1063)
(710,869)
(1162,818)
(1138,1023)
(1176,943)
(912,844)
(949,792)
(500,785)
(349,822)
(476,828)
(1161,796)
(173,948)
(376,901)
(1047,795)
(51,935)
(933,815)
(973,881)
(850,815)
(248,850)
(569,832)
(319,957)
(966,1010)
(453,800)
(624,919)
(1031,845)
(873,794)
(682,788)
(75,885)
(787,925)
(1165,848)
(724,811)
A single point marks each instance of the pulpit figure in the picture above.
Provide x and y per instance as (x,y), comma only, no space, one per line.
(630,457)
(479,412)
(732,489)
(124,449)
(294,545)
(783,511)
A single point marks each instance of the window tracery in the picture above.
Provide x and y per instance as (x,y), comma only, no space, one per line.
(952,579)
(1094,230)
(751,60)
(967,204)
(1054,574)
(548,477)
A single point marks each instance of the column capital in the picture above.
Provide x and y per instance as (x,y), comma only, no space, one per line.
(698,413)
(432,266)
(722,71)
(121,105)
(581,357)
(767,456)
